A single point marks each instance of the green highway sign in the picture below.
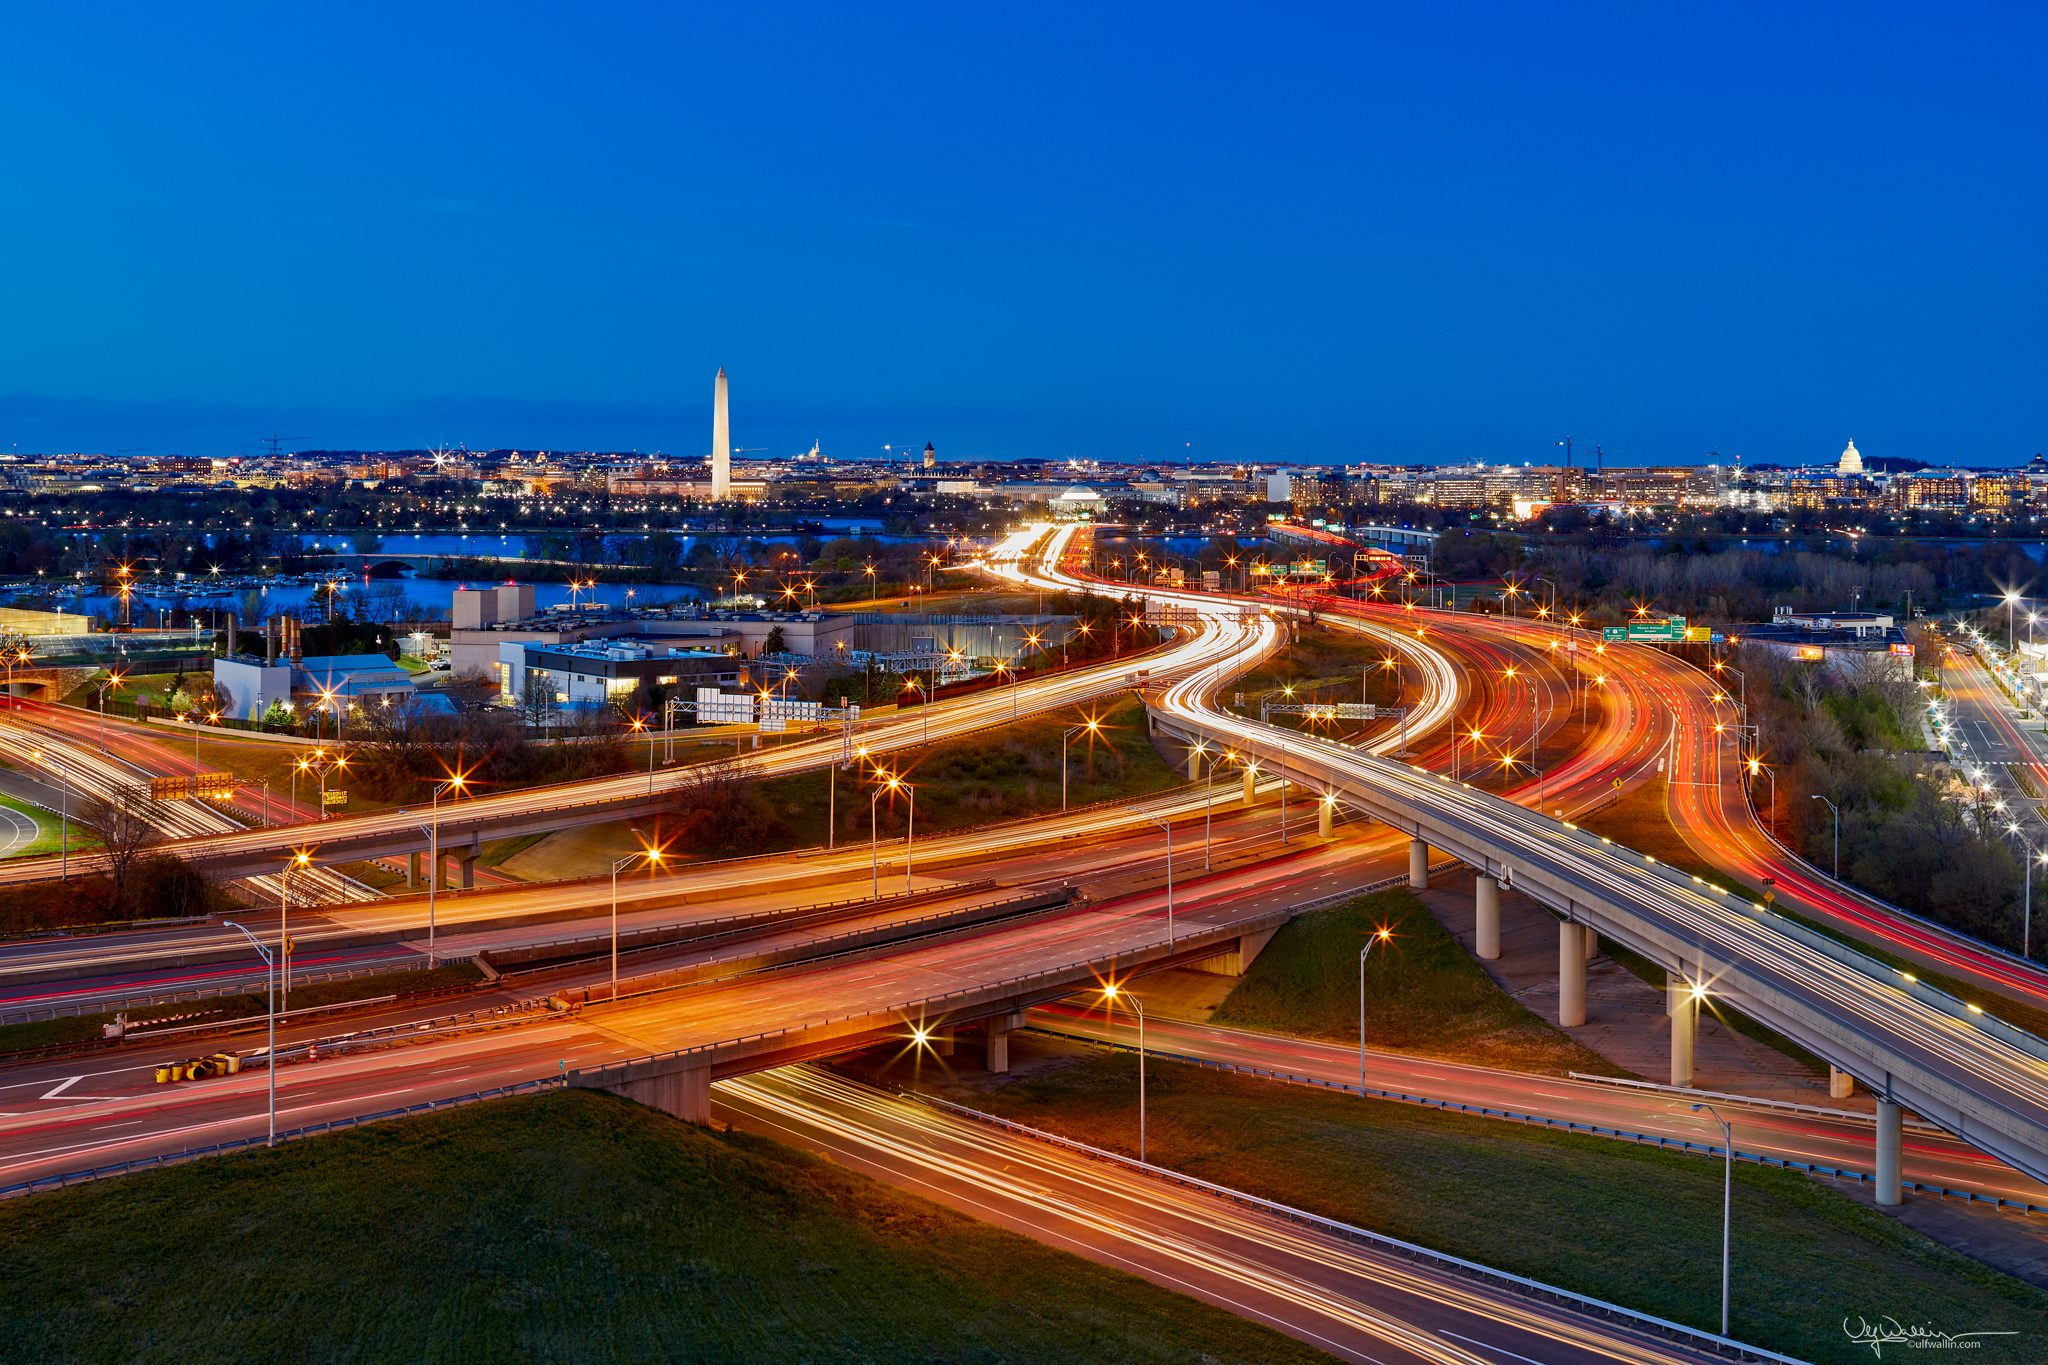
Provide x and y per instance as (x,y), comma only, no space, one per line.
(1671,631)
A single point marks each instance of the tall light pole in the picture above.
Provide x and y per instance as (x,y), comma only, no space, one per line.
(271,965)
(298,863)
(1091,726)
(890,783)
(433,834)
(1378,940)
(1166,825)
(1838,833)
(1113,993)
(1727,1200)
(653,856)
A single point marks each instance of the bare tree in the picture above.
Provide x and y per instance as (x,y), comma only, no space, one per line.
(126,825)
(468,689)
(537,701)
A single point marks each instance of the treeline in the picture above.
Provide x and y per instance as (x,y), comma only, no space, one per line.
(1913,829)
(404,751)
(1709,581)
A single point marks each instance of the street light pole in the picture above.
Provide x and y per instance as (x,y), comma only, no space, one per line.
(1111,993)
(271,967)
(1379,938)
(1166,825)
(1838,833)
(1065,738)
(1727,1200)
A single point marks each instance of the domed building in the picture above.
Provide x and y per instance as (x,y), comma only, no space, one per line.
(1852,461)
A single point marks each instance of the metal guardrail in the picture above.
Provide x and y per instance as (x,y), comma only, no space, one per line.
(1754,1101)
(152,1163)
(1599,1308)
(1680,1145)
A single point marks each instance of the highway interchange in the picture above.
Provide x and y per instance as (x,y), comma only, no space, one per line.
(96,1109)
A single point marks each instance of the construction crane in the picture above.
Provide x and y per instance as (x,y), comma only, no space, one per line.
(275,441)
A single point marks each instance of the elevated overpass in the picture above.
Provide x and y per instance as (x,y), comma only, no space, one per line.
(1913,1046)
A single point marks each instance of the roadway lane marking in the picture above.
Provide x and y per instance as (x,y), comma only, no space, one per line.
(1489,1346)
(62,1086)
(104,1126)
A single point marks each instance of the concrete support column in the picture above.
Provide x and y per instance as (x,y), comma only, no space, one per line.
(1571,975)
(412,870)
(998,1049)
(1890,1129)
(1592,942)
(1684,1007)
(1326,814)
(468,861)
(1486,938)
(1841,1085)
(1250,796)
(1418,864)
(1194,765)
(942,1044)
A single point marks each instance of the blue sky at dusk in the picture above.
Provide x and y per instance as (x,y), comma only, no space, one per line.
(1416,233)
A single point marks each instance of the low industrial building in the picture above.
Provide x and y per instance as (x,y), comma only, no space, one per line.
(1847,643)
(612,669)
(329,680)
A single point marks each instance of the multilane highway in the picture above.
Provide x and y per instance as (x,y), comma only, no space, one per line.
(1910,1045)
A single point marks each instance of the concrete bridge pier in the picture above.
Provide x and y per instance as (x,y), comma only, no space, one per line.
(685,1093)
(1418,865)
(1194,764)
(1486,937)
(1571,974)
(1685,1012)
(1250,797)
(1841,1085)
(1326,814)
(412,871)
(997,1031)
(1890,1128)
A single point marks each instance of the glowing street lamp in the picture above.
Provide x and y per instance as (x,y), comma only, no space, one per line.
(1111,993)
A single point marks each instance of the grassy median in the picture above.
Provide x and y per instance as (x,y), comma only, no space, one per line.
(569,1227)
(1627,1224)
(1423,992)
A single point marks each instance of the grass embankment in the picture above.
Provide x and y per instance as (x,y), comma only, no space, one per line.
(50,835)
(568,1227)
(1627,1224)
(84,1028)
(1639,821)
(1003,773)
(1334,660)
(1423,992)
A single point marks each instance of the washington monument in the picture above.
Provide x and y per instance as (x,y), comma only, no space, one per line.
(721,443)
